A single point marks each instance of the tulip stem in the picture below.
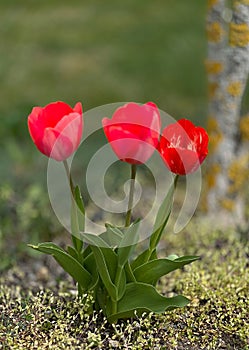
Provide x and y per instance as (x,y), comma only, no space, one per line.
(76,239)
(131,195)
(127,266)
(69,177)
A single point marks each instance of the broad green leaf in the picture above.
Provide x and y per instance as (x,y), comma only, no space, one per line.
(90,265)
(172,257)
(67,262)
(95,240)
(106,262)
(129,273)
(151,271)
(112,266)
(128,243)
(162,218)
(111,261)
(121,283)
(143,258)
(141,297)
(73,252)
(87,251)
(112,236)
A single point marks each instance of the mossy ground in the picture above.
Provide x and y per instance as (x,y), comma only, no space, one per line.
(42,311)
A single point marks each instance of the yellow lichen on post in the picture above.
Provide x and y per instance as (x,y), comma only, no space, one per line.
(228,204)
(213,67)
(234,88)
(212,3)
(238,174)
(215,32)
(212,88)
(239,34)
(214,133)
(244,128)
(241,2)
(211,175)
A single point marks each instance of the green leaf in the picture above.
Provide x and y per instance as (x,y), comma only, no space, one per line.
(108,271)
(122,285)
(121,281)
(143,258)
(95,240)
(128,242)
(141,297)
(111,261)
(73,252)
(162,218)
(112,236)
(129,273)
(87,251)
(106,262)
(151,271)
(67,262)
(172,257)
(90,264)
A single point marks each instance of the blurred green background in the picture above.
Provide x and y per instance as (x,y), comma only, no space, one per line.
(96,52)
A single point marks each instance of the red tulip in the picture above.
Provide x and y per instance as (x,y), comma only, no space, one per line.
(56,129)
(133,131)
(183,147)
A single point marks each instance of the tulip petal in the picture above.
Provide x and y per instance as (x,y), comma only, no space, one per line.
(181,161)
(131,150)
(56,129)
(145,115)
(183,147)
(133,131)
(71,126)
(131,143)
(78,108)
(35,124)
(54,112)
(56,145)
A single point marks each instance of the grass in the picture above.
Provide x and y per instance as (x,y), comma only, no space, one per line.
(217,318)
(101,52)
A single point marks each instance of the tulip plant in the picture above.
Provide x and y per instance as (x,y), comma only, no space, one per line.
(106,265)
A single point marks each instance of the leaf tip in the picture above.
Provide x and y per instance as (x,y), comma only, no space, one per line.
(33,246)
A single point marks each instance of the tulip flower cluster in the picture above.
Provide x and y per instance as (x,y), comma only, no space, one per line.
(121,285)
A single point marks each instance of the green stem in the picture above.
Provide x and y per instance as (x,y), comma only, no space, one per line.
(114,307)
(176,180)
(69,177)
(128,216)
(77,242)
(131,195)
